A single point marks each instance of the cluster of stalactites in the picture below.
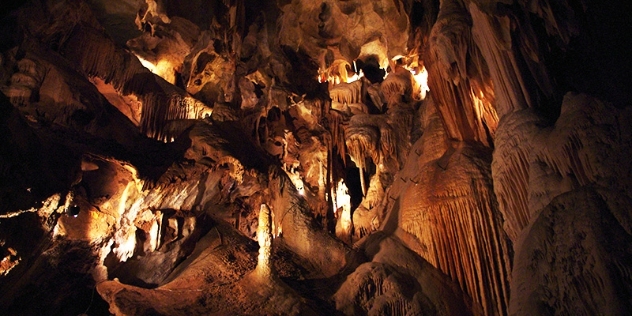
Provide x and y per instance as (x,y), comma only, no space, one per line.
(158,113)
(459,78)
(484,66)
(161,102)
(370,136)
(533,165)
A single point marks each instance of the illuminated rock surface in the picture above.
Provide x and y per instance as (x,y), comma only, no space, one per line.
(364,157)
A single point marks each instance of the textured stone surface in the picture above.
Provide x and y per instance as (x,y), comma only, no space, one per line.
(451,209)
(143,180)
(572,257)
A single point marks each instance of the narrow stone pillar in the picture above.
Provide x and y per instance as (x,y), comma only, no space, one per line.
(264,237)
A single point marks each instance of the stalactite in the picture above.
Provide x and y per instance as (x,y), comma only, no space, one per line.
(372,136)
(96,54)
(337,73)
(493,37)
(560,20)
(455,69)
(337,123)
(161,102)
(347,93)
(159,110)
(582,132)
(362,181)
(361,143)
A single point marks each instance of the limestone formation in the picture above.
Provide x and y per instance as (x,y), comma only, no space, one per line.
(451,209)
(264,238)
(299,157)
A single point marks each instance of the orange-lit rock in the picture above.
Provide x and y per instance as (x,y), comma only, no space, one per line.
(456,71)
(89,225)
(384,285)
(450,208)
(314,158)
(533,165)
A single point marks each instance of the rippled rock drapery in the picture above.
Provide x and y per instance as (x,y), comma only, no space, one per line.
(539,182)
(449,206)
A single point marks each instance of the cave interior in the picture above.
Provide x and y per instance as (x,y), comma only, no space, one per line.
(301,157)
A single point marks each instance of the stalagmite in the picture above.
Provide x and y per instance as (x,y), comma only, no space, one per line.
(344,225)
(383,285)
(562,263)
(264,237)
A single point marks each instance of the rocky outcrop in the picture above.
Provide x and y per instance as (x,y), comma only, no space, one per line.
(397,282)
(572,258)
(533,165)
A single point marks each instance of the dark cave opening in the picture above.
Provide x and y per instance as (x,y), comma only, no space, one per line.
(353,182)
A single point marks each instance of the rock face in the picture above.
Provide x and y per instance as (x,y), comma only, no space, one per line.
(397,282)
(452,219)
(446,201)
(571,259)
(362,157)
(559,198)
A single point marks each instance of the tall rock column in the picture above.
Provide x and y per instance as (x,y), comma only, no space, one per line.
(451,208)
(264,237)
